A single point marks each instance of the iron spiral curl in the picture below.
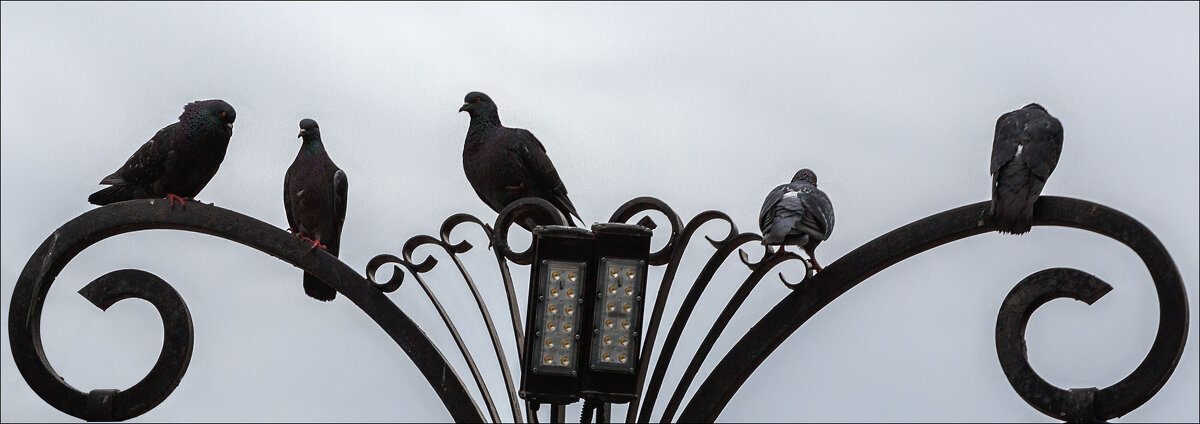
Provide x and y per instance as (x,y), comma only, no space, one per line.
(29,296)
(1077,404)
(810,295)
(529,209)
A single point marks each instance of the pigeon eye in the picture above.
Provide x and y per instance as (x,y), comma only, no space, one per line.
(477,100)
(222,114)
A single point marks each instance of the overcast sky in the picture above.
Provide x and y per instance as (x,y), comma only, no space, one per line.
(705,106)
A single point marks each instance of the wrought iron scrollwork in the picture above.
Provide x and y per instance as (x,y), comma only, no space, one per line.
(24,320)
(1076,404)
(810,295)
(111,404)
(530,208)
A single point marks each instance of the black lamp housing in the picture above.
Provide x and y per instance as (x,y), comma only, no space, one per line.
(617,296)
(557,317)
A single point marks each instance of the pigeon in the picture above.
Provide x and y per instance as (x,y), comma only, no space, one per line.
(1024,153)
(314,198)
(178,162)
(798,214)
(505,164)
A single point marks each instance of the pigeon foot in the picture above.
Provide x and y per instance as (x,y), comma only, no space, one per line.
(315,242)
(172,198)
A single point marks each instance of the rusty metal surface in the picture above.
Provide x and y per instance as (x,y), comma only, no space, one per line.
(95,225)
(842,275)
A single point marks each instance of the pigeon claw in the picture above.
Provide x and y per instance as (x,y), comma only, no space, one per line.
(315,242)
(172,198)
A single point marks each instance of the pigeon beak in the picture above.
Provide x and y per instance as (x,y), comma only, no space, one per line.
(464,107)
(301,133)
(229,125)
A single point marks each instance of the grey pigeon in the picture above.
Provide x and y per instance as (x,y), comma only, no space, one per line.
(314,198)
(505,164)
(1024,153)
(179,161)
(798,214)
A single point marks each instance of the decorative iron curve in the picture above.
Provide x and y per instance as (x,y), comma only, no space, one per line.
(810,295)
(532,208)
(24,319)
(1073,405)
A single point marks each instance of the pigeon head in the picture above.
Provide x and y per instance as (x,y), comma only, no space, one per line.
(806,175)
(478,104)
(1035,106)
(309,127)
(203,110)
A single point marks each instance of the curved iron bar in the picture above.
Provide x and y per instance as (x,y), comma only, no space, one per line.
(533,208)
(514,313)
(673,253)
(645,204)
(453,251)
(173,360)
(1075,405)
(796,308)
(759,271)
(394,283)
(24,320)
(724,249)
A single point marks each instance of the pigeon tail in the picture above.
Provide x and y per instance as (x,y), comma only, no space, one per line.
(115,194)
(317,289)
(1008,222)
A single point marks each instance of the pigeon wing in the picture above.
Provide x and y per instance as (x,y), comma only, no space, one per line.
(338,203)
(288,197)
(1045,144)
(818,212)
(534,159)
(1008,137)
(766,216)
(148,162)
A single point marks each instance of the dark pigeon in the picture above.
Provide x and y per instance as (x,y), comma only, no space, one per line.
(314,198)
(179,161)
(1024,153)
(505,164)
(798,214)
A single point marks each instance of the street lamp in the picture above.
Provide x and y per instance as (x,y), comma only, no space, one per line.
(586,296)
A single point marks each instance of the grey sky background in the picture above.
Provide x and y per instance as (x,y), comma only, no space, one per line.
(705,106)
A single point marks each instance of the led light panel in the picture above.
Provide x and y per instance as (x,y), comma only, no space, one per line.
(618,306)
(558,310)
